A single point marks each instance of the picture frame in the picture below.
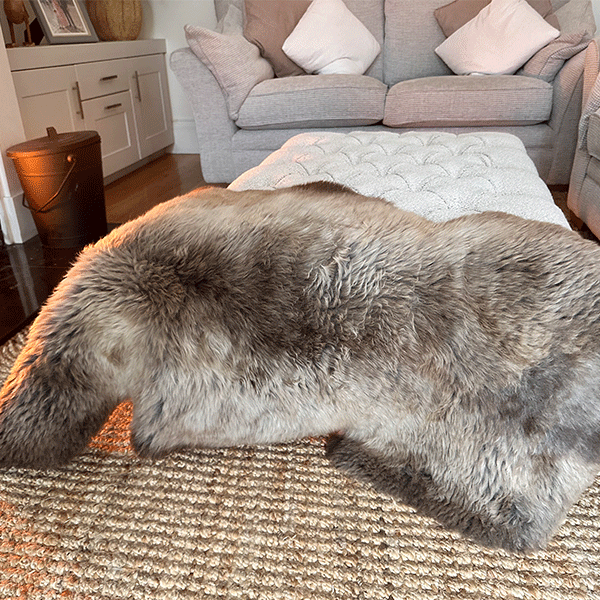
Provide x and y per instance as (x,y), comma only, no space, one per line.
(64,21)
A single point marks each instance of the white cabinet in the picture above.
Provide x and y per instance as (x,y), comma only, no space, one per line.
(118,89)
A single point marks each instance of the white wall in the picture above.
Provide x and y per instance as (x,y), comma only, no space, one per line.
(166,19)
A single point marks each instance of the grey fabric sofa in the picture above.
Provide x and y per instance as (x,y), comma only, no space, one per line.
(584,189)
(408,87)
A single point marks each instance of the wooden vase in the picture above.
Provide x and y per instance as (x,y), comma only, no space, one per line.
(115,20)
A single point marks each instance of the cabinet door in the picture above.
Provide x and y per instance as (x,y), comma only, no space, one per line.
(151,103)
(48,98)
(112,117)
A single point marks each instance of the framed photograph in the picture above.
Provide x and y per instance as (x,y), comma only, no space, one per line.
(64,21)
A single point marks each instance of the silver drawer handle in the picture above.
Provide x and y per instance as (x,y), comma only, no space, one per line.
(109,77)
(137,81)
(76,88)
(113,106)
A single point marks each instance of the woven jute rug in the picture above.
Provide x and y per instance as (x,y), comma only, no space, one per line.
(253,523)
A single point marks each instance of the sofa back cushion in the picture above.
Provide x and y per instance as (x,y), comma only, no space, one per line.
(411,35)
(458,13)
(369,12)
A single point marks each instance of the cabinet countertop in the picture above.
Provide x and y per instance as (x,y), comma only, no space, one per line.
(57,55)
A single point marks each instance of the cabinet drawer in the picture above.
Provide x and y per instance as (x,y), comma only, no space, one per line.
(101,78)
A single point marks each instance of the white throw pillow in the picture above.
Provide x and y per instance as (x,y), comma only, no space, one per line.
(231,58)
(499,40)
(330,39)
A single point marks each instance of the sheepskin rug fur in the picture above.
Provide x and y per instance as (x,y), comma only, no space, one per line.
(454,365)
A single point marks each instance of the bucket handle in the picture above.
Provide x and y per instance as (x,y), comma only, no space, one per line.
(71,159)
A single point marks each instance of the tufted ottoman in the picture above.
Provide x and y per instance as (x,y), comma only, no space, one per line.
(437,175)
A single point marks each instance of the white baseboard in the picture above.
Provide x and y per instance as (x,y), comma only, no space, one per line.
(17,222)
(186,139)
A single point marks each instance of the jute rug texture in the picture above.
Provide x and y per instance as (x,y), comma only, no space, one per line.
(274,522)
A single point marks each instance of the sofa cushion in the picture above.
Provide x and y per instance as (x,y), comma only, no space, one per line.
(453,16)
(577,28)
(314,101)
(267,25)
(484,100)
(547,62)
(499,40)
(329,39)
(233,60)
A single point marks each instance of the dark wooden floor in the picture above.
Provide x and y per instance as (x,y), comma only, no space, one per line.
(163,179)
(29,272)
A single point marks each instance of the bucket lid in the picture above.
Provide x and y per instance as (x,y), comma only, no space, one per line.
(53,143)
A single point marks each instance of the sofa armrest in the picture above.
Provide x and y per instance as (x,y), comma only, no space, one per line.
(564,120)
(590,105)
(591,89)
(214,127)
